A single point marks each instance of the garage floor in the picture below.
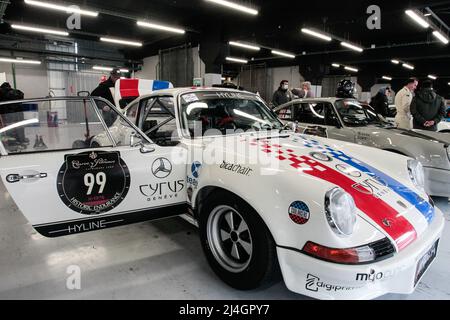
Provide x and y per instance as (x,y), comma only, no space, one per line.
(158,260)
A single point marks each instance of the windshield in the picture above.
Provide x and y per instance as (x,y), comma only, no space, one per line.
(215,113)
(356,114)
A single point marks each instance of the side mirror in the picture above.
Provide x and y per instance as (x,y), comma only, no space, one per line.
(135,140)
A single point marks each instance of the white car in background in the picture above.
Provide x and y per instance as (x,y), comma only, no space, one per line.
(341,221)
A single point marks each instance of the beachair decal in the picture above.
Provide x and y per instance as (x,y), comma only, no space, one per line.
(93,182)
(368,195)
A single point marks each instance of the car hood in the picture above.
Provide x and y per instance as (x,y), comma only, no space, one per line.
(431,136)
(396,209)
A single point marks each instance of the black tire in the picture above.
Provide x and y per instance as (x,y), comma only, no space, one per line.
(257,270)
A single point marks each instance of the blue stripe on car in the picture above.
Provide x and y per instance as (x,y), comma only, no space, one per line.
(159,85)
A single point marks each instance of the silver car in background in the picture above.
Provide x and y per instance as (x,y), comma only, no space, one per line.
(349,120)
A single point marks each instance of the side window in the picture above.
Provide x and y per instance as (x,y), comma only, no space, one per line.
(159,122)
(51,125)
(316,113)
(132,111)
(285,113)
(310,113)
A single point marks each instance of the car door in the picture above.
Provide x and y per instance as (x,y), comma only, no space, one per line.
(65,184)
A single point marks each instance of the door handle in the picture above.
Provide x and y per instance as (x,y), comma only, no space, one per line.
(13,178)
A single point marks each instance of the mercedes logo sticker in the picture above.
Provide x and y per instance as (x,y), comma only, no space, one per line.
(161,168)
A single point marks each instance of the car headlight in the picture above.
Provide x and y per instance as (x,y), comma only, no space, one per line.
(416,174)
(340,210)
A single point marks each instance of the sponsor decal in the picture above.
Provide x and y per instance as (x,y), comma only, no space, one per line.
(388,223)
(349,171)
(321,156)
(161,168)
(313,283)
(160,191)
(93,182)
(374,187)
(195,174)
(195,169)
(374,276)
(236,168)
(299,212)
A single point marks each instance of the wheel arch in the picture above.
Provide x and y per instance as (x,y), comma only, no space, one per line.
(205,192)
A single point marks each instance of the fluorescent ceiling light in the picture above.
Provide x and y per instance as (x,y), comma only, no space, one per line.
(160,27)
(408,66)
(40,30)
(124,42)
(352,46)
(236,60)
(441,37)
(395,61)
(243,45)
(351,69)
(316,34)
(432,77)
(417,18)
(387,78)
(336,65)
(19,61)
(109,69)
(68,9)
(235,6)
(284,54)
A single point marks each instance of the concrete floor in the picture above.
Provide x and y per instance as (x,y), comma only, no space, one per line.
(157,260)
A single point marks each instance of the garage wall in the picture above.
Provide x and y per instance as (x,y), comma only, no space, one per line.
(32,80)
(150,69)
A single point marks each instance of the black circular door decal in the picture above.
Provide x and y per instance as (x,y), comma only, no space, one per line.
(93,182)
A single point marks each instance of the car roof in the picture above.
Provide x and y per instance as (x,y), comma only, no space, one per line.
(312,100)
(178,91)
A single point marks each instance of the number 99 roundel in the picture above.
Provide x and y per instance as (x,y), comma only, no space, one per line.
(93,182)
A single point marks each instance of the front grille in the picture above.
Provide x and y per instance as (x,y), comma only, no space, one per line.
(383,249)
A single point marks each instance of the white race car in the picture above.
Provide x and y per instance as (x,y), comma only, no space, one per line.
(341,221)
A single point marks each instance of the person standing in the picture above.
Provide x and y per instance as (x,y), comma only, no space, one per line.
(305,91)
(282,95)
(104,91)
(427,108)
(381,102)
(403,101)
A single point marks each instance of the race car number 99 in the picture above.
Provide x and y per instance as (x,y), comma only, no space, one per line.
(93,182)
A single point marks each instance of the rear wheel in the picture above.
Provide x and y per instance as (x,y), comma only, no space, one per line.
(236,242)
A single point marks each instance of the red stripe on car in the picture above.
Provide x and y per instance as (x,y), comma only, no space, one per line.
(129,88)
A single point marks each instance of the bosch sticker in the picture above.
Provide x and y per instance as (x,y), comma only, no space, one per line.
(299,212)
(93,182)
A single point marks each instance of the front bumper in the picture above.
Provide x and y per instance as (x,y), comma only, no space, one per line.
(323,280)
(437,182)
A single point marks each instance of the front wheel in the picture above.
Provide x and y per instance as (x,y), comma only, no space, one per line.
(237,243)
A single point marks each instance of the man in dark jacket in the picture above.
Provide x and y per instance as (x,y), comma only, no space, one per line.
(381,102)
(13,113)
(427,108)
(104,91)
(282,95)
